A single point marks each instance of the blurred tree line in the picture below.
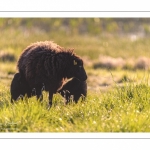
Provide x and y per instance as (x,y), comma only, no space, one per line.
(93,26)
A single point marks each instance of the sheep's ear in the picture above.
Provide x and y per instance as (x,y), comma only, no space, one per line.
(74,62)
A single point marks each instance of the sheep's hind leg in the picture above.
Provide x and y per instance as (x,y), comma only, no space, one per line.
(50,99)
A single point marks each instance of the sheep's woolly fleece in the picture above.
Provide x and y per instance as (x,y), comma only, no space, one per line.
(45,65)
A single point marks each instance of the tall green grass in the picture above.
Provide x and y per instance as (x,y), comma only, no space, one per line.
(123,109)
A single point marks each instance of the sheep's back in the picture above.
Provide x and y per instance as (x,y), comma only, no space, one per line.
(38,59)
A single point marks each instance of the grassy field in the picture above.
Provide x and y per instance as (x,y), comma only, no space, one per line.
(118,97)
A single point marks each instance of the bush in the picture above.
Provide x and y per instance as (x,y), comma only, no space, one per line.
(7,57)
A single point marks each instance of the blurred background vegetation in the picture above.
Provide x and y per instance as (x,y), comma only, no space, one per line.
(89,36)
(92,26)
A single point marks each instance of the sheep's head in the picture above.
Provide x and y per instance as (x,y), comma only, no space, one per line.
(77,70)
(17,78)
(15,86)
(19,87)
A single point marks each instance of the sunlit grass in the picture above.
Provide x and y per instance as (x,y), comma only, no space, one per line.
(124,109)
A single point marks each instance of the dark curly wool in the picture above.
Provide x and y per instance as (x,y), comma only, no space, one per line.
(45,65)
(75,88)
(19,87)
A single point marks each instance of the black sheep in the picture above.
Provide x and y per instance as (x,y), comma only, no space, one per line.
(45,66)
(75,88)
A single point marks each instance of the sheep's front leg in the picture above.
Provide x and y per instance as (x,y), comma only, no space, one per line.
(50,98)
(39,95)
